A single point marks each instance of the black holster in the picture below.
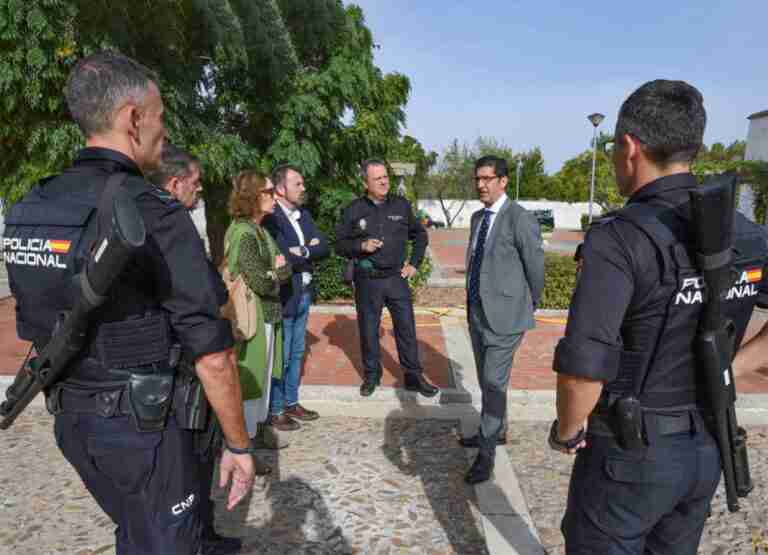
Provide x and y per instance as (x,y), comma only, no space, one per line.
(150,397)
(193,412)
(190,404)
(627,422)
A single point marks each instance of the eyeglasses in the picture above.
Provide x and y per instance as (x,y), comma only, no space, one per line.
(268,192)
(485,179)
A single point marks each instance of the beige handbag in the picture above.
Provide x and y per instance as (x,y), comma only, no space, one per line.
(242,308)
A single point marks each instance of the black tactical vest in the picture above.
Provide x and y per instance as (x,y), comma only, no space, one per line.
(45,244)
(657,358)
(48,239)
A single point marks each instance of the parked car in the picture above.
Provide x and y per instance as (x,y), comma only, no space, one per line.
(428,222)
(544,217)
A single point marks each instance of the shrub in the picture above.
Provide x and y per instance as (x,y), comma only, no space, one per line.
(559,281)
(425,270)
(327,279)
(329,285)
(584,222)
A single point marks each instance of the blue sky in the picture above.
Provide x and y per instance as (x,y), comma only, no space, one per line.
(528,73)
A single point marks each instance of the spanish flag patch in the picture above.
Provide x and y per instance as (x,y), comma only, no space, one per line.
(754,275)
(60,247)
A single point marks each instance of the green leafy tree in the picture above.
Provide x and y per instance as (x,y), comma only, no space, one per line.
(452,183)
(572,183)
(719,152)
(410,150)
(246,84)
(751,172)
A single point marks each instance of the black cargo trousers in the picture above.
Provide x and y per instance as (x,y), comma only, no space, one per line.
(148,483)
(653,500)
(372,293)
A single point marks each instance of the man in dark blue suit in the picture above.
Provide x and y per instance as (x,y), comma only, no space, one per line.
(302,244)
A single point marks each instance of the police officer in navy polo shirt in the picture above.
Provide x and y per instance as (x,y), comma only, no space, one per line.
(374,232)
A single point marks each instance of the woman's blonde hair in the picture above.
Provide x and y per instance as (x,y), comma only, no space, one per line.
(246,187)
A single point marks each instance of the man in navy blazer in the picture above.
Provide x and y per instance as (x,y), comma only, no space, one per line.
(302,244)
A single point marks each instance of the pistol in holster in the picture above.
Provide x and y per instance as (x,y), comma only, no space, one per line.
(627,420)
(193,412)
(191,406)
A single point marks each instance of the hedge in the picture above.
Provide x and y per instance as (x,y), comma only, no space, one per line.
(559,281)
(329,285)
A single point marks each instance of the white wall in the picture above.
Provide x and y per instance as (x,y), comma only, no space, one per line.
(757,149)
(757,137)
(567,215)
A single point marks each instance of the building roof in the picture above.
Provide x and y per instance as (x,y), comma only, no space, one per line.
(759,115)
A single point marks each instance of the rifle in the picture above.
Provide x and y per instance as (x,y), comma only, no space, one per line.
(711,204)
(125,235)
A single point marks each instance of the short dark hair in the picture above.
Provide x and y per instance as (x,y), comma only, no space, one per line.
(365,164)
(99,84)
(667,117)
(499,165)
(175,162)
(280,173)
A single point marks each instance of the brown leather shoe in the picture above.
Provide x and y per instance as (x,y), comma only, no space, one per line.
(282,422)
(300,413)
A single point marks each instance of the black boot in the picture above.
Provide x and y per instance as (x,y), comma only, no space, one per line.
(420,384)
(482,468)
(473,442)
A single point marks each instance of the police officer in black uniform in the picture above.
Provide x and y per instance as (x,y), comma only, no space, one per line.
(628,347)
(116,420)
(374,232)
(179,173)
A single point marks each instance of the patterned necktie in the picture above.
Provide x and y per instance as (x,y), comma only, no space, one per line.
(477,258)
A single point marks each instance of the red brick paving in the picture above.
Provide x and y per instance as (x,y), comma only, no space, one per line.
(333,352)
(532,368)
(565,235)
(13,349)
(449,247)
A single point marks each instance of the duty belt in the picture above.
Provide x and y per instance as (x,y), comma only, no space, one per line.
(101,403)
(188,403)
(377,274)
(655,424)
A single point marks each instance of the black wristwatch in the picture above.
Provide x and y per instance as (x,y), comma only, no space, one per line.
(238,451)
(304,251)
(568,443)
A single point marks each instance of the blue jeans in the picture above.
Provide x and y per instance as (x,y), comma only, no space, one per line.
(285,391)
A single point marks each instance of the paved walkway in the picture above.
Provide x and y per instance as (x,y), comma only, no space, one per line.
(380,475)
(448,250)
(345,485)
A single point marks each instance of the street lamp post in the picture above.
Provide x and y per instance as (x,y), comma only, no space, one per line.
(595,120)
(517,185)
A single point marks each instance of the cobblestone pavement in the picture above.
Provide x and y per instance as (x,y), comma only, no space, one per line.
(345,485)
(544,476)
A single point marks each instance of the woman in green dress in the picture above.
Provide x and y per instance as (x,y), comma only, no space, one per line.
(250,250)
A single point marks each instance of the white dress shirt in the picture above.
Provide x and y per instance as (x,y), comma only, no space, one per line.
(293,215)
(494,208)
